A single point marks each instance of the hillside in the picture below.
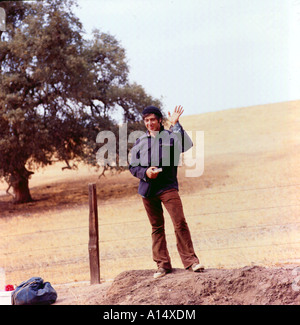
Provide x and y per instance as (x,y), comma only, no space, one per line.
(243,211)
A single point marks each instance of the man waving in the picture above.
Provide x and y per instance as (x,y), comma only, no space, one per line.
(154,160)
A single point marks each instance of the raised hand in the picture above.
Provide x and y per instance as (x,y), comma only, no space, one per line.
(174,118)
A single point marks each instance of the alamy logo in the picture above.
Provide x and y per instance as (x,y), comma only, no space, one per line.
(2,20)
(162,151)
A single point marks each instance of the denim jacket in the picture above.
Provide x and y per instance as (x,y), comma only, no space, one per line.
(162,151)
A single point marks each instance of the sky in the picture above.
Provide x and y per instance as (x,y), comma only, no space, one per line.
(206,55)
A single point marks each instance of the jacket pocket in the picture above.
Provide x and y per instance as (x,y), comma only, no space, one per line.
(144,188)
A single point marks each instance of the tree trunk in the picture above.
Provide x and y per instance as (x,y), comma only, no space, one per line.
(20,184)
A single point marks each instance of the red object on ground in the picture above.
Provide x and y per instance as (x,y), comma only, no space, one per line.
(9,287)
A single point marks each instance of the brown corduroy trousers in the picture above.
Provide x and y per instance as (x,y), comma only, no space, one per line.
(172,202)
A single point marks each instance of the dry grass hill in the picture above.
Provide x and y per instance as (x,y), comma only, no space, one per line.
(243,211)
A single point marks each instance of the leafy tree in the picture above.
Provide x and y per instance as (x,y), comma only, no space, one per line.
(57,90)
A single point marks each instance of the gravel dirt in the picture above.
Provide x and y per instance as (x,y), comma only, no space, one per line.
(252,285)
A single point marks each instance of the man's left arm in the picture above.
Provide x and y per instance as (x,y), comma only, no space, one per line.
(185,142)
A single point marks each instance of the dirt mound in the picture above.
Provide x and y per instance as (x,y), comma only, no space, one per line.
(245,286)
(250,285)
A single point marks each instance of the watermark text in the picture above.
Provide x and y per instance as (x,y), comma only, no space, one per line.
(163,150)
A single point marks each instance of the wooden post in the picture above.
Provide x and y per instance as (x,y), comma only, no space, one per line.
(93,236)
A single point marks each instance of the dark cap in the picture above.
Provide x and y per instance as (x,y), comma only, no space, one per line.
(152,110)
